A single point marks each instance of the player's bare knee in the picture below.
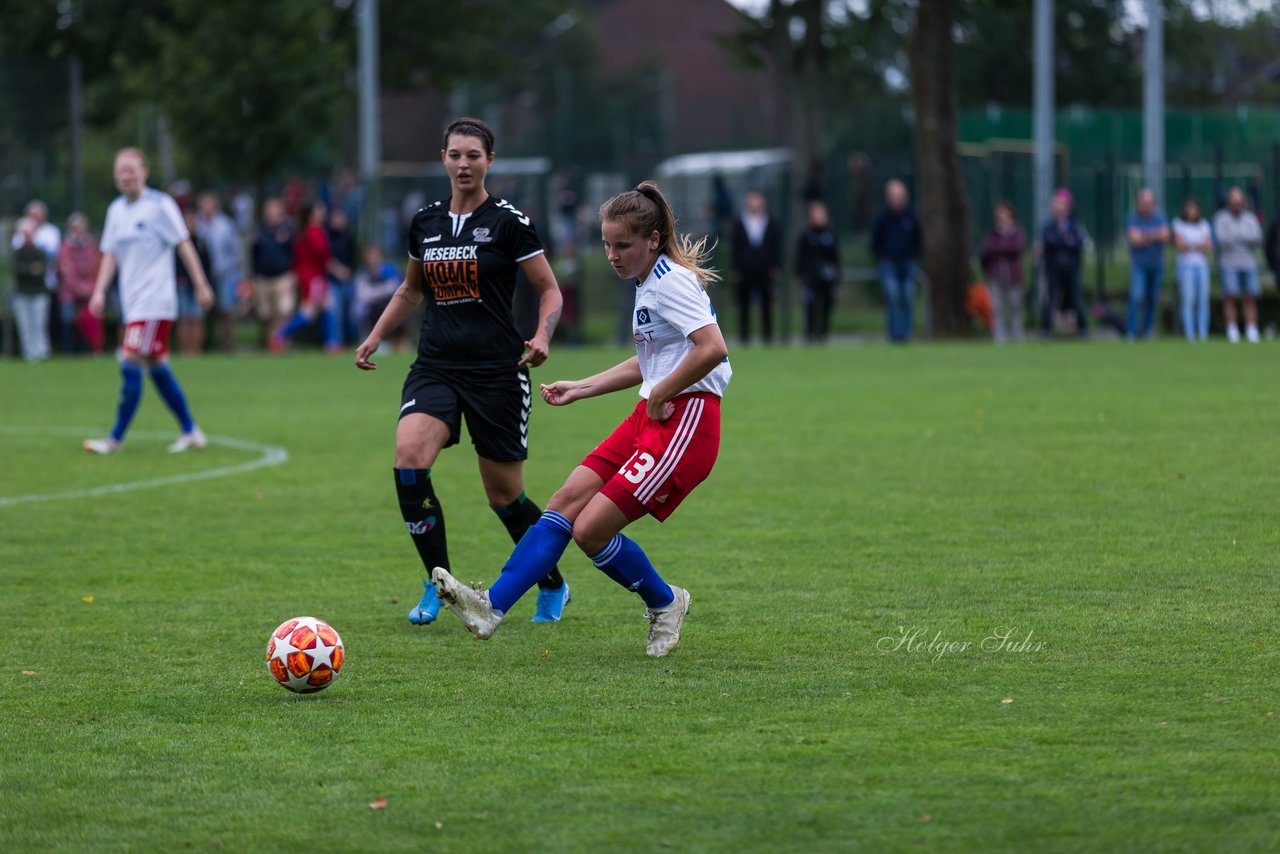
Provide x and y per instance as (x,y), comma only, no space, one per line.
(590,541)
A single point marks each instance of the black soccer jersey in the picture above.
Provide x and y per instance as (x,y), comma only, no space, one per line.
(469,264)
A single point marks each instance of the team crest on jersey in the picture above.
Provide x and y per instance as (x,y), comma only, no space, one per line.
(481,235)
(642,317)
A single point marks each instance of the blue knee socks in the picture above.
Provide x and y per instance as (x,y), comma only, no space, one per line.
(626,563)
(169,389)
(130,395)
(535,555)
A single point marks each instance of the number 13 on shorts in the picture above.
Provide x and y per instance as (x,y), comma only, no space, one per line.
(637,467)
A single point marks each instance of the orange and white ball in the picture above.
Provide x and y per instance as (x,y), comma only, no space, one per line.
(304,655)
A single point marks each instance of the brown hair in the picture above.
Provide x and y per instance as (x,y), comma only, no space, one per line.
(468,126)
(645,210)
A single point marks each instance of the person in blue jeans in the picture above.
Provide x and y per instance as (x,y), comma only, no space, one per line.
(1147,231)
(342,285)
(1193,239)
(896,241)
(1062,246)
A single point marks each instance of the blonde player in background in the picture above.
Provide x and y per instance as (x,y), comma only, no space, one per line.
(142,229)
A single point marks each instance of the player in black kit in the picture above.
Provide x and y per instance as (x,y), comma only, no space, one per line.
(464,252)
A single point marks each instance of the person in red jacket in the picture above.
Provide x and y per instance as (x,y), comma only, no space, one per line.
(78,260)
(1001,256)
(312,262)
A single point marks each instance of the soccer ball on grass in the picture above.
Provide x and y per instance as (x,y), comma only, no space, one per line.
(304,655)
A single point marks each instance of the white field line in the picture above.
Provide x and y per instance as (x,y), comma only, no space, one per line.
(271,455)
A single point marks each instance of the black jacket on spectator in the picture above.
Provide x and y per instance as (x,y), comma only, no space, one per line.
(895,236)
(342,246)
(272,251)
(1271,247)
(755,263)
(818,257)
(1063,245)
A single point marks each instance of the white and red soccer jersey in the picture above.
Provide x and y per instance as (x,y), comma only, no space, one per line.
(671,305)
(142,235)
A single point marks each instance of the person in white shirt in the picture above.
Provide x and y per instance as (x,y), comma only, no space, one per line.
(1193,240)
(1238,234)
(141,231)
(655,458)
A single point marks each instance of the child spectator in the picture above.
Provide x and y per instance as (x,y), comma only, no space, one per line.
(376,283)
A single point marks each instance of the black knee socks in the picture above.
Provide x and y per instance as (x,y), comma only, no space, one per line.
(423,516)
(518,517)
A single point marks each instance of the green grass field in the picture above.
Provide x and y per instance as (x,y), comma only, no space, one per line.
(1110,509)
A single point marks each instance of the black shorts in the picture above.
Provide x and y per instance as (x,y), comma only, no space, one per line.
(496,402)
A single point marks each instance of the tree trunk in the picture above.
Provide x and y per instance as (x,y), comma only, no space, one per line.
(942,202)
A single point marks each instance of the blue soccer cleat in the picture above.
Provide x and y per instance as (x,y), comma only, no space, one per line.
(426,610)
(551,604)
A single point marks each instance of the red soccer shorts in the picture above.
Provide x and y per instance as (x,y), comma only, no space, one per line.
(147,338)
(650,466)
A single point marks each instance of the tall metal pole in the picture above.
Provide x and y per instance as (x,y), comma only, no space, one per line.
(75,109)
(370,127)
(1153,102)
(1043,106)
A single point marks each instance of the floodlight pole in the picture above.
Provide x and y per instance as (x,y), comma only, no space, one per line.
(1043,107)
(1153,102)
(370,128)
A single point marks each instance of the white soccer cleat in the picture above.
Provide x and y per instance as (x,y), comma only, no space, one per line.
(188,441)
(1233,333)
(664,625)
(105,445)
(1251,334)
(471,606)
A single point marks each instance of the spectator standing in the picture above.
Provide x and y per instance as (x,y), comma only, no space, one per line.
(818,269)
(274,286)
(78,261)
(757,258)
(1062,248)
(1193,240)
(1147,231)
(47,238)
(222,240)
(242,210)
(896,242)
(191,324)
(31,294)
(1238,233)
(1001,256)
(342,288)
(1271,248)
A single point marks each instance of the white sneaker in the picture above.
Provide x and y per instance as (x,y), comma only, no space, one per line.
(471,606)
(195,439)
(105,445)
(664,625)
(1233,334)
(1251,332)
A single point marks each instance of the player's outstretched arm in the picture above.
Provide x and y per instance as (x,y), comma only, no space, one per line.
(403,304)
(708,351)
(622,375)
(550,303)
(106,272)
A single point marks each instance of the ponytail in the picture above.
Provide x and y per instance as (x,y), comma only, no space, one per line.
(646,210)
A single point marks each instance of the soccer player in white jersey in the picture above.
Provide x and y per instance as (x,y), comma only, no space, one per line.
(142,229)
(656,457)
